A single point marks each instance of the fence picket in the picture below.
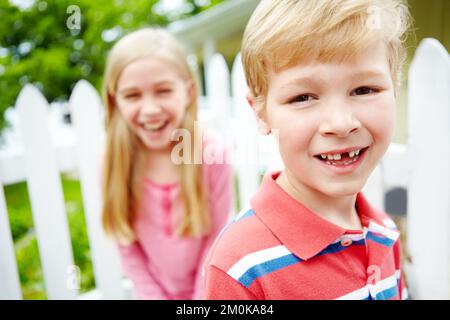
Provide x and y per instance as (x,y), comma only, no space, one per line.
(85,106)
(218,89)
(429,189)
(9,276)
(46,196)
(246,141)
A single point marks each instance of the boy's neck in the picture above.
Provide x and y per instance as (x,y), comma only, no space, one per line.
(340,211)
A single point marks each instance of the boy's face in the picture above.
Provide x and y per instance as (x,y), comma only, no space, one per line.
(343,112)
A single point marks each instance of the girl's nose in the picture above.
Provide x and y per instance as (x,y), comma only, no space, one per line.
(339,121)
(150,107)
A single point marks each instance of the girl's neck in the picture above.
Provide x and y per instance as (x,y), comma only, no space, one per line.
(340,211)
(160,168)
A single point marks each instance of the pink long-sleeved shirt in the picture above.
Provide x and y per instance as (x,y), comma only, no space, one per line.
(160,264)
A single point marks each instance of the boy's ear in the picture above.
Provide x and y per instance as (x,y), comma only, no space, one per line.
(263,126)
(250,99)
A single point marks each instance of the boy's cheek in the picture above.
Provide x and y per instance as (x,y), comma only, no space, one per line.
(379,119)
(382,126)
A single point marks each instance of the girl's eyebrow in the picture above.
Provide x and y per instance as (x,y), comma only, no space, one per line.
(157,84)
(127,89)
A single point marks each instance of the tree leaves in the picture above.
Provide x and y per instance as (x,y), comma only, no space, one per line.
(42,50)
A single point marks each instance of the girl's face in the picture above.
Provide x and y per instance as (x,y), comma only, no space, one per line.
(152,97)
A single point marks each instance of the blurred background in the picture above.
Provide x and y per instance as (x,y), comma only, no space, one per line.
(53,44)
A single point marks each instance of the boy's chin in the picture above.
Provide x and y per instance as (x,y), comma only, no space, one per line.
(337,190)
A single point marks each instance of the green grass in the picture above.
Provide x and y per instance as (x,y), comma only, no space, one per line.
(25,242)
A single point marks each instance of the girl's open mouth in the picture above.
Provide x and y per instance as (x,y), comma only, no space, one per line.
(345,160)
(156,127)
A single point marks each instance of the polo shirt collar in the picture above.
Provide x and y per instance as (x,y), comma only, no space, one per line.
(302,231)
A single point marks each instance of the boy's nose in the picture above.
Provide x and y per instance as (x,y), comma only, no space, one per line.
(339,121)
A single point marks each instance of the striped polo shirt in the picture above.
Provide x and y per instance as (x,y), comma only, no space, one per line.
(279,249)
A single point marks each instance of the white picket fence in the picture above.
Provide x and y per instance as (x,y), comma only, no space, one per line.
(44,152)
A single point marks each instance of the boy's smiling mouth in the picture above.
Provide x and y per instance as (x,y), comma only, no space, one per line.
(344,158)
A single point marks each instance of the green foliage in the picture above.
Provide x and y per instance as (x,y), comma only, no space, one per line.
(78,232)
(19,209)
(30,271)
(36,45)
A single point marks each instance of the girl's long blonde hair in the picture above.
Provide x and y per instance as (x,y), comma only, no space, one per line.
(124,160)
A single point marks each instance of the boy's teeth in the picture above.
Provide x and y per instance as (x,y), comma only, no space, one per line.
(338,156)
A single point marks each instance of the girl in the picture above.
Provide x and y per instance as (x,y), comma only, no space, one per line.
(164,216)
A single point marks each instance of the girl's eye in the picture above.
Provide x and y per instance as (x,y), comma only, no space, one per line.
(364,91)
(131,96)
(301,98)
(164,91)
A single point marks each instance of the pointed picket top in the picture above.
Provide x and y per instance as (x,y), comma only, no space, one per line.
(240,90)
(45,190)
(242,109)
(32,111)
(89,109)
(84,92)
(85,105)
(30,95)
(428,201)
(429,70)
(218,76)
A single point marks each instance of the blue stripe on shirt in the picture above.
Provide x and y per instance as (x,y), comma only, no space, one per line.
(380,239)
(270,266)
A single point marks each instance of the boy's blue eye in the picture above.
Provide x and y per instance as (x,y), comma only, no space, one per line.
(364,90)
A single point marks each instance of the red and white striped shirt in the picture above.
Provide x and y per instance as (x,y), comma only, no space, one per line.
(279,249)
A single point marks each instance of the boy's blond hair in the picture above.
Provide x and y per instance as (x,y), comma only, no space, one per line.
(282,33)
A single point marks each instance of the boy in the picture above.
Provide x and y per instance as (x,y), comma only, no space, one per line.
(324,75)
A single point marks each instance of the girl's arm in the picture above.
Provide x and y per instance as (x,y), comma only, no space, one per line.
(135,267)
(220,179)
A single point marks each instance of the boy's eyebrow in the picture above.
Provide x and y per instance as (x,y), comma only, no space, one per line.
(316,80)
(369,74)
